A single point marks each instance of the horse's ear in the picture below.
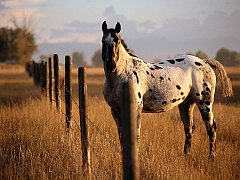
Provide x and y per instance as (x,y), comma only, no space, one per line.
(104,26)
(118,27)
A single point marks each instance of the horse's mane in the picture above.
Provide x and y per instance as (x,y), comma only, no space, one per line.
(130,52)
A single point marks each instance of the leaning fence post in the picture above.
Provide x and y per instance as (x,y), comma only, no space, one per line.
(68,91)
(56,77)
(50,79)
(129,132)
(82,86)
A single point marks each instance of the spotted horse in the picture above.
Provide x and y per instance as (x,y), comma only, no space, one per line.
(184,81)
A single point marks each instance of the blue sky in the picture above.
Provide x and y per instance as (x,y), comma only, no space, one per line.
(167,21)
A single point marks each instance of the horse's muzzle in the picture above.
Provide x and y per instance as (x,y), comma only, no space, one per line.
(110,66)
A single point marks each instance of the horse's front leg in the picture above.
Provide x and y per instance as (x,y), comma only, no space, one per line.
(116,116)
(138,115)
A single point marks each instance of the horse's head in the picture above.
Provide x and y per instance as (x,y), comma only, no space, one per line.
(110,46)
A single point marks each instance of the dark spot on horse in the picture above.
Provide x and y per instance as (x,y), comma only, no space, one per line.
(207,109)
(147,72)
(161,63)
(197,94)
(204,84)
(135,73)
(151,68)
(135,62)
(201,102)
(207,103)
(171,61)
(139,95)
(207,93)
(178,99)
(203,93)
(180,59)
(169,79)
(150,90)
(161,78)
(198,63)
(157,67)
(147,109)
(161,109)
(214,125)
(182,93)
(164,102)
(183,97)
(152,76)
(178,87)
(154,98)
(207,89)
(174,100)
(145,62)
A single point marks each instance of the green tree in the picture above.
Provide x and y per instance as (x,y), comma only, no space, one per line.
(17,44)
(97,58)
(223,56)
(6,44)
(201,55)
(24,45)
(235,57)
(78,59)
(228,57)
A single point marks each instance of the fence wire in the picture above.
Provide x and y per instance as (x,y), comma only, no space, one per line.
(91,123)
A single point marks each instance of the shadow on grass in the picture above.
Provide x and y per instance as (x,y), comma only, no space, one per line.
(18,93)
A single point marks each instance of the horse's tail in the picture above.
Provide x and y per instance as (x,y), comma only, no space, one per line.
(222,76)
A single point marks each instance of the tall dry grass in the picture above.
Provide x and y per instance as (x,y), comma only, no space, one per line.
(34,144)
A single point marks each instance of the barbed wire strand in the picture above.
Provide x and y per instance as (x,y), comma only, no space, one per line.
(110,141)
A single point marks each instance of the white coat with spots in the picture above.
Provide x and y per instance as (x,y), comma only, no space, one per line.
(184,81)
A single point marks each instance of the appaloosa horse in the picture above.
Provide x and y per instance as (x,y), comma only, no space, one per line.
(184,81)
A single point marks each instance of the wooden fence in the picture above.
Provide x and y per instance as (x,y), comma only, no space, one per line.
(42,76)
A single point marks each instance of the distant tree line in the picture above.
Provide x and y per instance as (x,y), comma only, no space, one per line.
(18,45)
(78,59)
(225,56)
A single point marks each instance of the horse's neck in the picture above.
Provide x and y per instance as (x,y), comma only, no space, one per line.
(124,65)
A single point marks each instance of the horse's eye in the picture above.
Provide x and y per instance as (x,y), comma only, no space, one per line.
(116,39)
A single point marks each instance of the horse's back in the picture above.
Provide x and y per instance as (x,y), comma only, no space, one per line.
(179,78)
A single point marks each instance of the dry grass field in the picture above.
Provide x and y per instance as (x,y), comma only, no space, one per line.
(34,144)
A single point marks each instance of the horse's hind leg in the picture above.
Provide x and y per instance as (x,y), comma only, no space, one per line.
(186,113)
(207,116)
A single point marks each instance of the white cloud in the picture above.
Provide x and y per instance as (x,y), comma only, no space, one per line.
(109,11)
(20,3)
(19,10)
(75,37)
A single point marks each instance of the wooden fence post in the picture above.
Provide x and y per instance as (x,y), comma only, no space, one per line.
(68,91)
(129,132)
(56,77)
(82,86)
(30,68)
(35,73)
(50,79)
(38,74)
(43,76)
